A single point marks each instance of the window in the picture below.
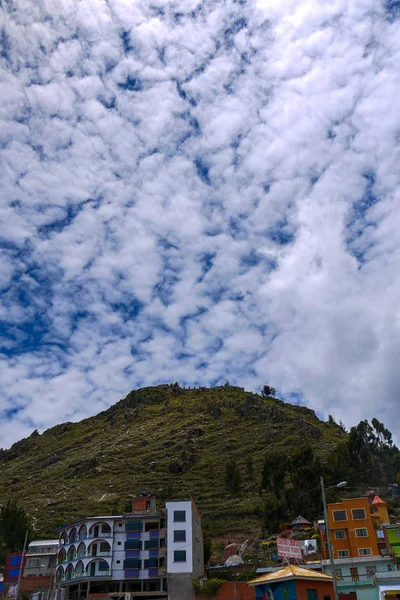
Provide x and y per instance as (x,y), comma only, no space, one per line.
(380,534)
(339,515)
(118,562)
(179,516)
(133,545)
(132,563)
(162,542)
(119,543)
(364,551)
(151,563)
(358,513)
(311,594)
(162,561)
(338,573)
(151,544)
(179,535)
(398,533)
(340,534)
(371,570)
(362,532)
(134,526)
(343,553)
(180,556)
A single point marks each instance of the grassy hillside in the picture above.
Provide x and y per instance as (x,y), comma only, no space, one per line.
(171,441)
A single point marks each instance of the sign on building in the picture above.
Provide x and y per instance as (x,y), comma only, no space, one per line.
(289,548)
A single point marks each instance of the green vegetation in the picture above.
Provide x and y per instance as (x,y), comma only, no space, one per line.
(209,587)
(14,525)
(177,443)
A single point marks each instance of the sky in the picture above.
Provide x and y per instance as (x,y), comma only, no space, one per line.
(198,191)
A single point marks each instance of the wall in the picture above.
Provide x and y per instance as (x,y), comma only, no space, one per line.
(180,586)
(198,548)
(29,584)
(351,542)
(179,567)
(285,590)
(239,590)
(322,587)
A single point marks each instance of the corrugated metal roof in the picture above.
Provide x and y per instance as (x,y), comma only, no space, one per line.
(290,572)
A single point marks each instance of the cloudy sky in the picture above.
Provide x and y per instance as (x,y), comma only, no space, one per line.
(198,191)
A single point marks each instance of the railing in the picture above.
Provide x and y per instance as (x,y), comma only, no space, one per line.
(73,576)
(82,556)
(356,580)
(387,575)
(87,536)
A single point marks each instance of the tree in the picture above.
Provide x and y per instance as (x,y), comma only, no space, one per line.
(14,523)
(268,391)
(233,478)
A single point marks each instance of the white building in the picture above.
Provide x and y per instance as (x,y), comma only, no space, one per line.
(136,553)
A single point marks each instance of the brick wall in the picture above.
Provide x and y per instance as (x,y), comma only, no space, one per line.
(227,591)
(29,584)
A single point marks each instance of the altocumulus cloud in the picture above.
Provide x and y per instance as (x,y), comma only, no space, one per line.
(198,191)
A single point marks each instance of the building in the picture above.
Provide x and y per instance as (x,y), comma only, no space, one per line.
(293,583)
(300,523)
(148,553)
(40,565)
(353,533)
(393,540)
(365,578)
(379,512)
(185,557)
(14,563)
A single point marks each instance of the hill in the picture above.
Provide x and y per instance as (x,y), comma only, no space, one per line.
(171,441)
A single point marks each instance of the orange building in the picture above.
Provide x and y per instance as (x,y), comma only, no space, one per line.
(352,529)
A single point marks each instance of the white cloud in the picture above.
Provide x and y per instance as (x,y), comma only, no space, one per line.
(198,192)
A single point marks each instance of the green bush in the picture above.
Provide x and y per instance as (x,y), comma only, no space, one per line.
(209,587)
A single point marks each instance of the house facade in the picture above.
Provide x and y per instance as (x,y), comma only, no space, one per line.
(293,583)
(137,553)
(393,540)
(353,533)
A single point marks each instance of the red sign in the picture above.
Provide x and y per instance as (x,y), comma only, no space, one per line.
(289,548)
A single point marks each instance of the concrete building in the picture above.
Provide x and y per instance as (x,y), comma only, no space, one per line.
(185,557)
(148,553)
(353,533)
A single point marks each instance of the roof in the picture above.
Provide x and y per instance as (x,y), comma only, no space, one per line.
(290,572)
(300,521)
(378,500)
(44,543)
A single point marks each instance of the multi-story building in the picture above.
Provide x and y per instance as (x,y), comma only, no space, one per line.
(143,553)
(352,529)
(393,538)
(39,566)
(185,557)
(40,559)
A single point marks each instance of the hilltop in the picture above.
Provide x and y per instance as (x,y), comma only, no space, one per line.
(170,441)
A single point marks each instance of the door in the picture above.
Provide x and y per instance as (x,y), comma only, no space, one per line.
(354,574)
(311,594)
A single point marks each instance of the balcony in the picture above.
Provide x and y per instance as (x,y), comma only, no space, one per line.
(356,580)
(74,576)
(82,556)
(387,575)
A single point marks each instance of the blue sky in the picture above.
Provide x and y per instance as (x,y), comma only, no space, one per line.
(198,192)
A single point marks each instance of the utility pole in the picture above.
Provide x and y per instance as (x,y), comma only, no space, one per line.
(328,535)
(17,594)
